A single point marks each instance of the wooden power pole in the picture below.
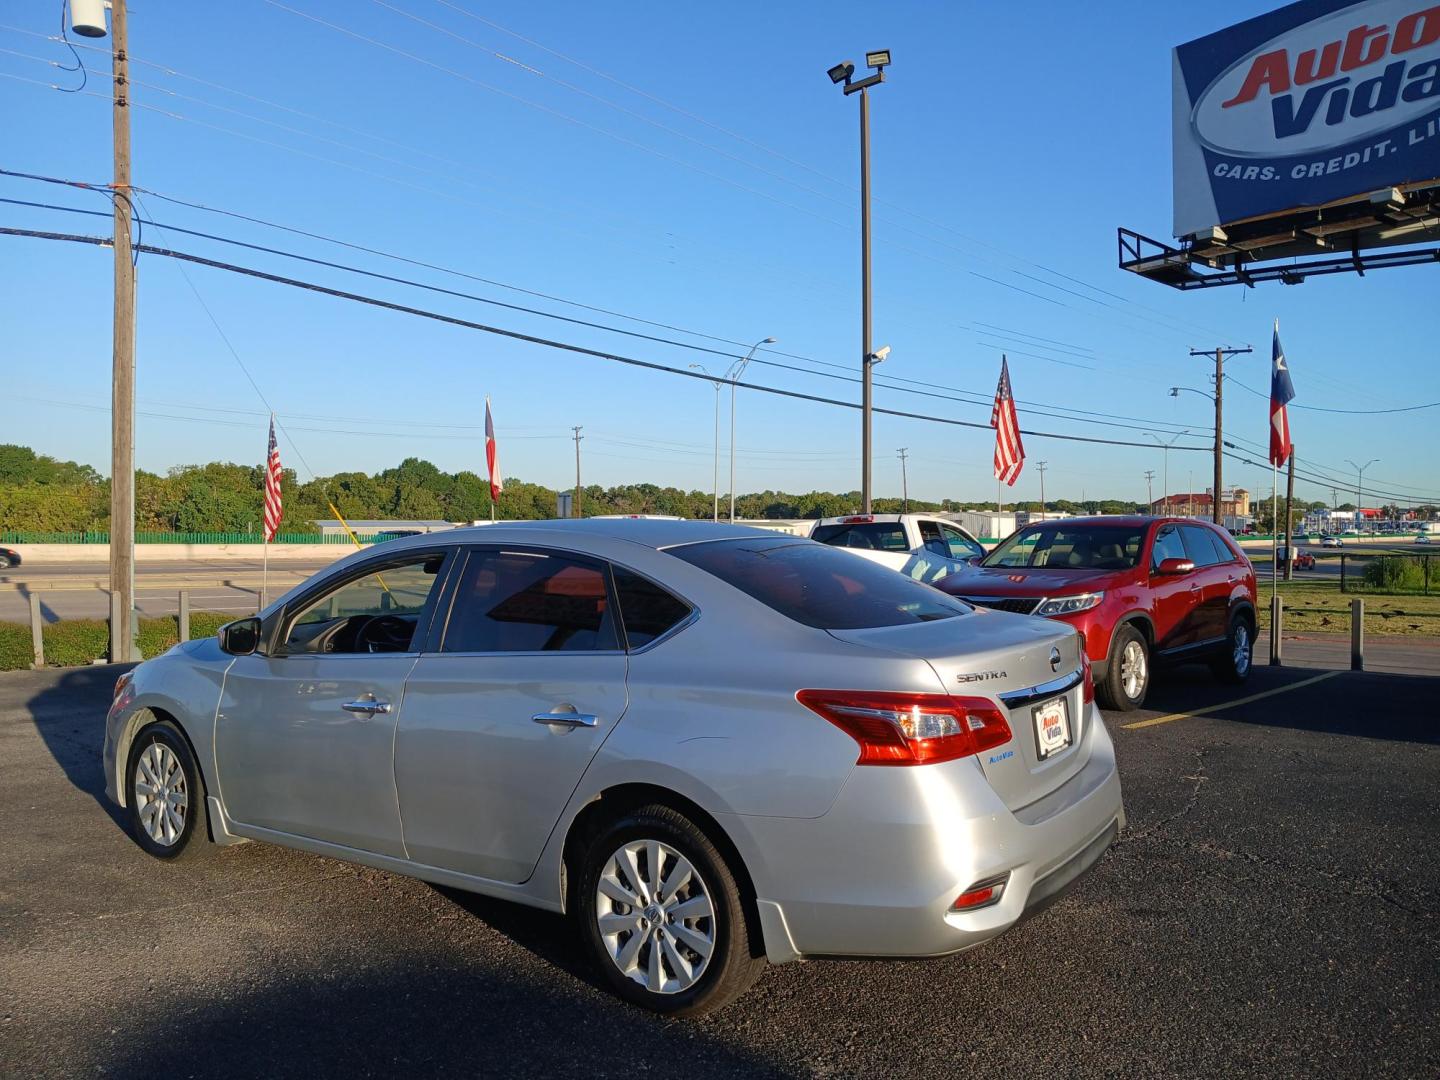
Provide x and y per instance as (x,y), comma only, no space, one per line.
(1220,354)
(122,379)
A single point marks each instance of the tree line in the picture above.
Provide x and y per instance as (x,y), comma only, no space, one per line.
(41,494)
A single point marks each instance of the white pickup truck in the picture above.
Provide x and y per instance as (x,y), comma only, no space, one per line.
(920,546)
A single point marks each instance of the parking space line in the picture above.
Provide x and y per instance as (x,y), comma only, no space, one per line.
(1154,720)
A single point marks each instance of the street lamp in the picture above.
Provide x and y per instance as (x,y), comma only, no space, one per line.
(715,472)
(736,370)
(1359,487)
(843,72)
(1165,482)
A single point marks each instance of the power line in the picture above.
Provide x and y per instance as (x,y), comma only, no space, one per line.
(516,335)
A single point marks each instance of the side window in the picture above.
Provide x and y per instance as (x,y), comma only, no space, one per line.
(513,601)
(961,546)
(1198,545)
(1168,545)
(931,539)
(646,609)
(379,612)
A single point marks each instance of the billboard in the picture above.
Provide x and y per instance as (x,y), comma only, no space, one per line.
(1315,102)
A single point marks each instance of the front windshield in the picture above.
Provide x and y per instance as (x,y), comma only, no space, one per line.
(1071,547)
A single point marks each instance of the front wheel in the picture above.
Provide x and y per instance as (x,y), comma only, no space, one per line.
(661,915)
(1127,677)
(1233,665)
(166,797)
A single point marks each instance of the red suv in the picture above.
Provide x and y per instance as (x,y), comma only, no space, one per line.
(1140,589)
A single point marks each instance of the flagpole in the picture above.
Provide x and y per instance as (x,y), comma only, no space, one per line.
(1274,563)
(264,566)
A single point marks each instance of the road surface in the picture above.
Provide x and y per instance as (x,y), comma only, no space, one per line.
(1271,910)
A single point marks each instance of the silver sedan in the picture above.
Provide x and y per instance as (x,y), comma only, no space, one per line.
(712,746)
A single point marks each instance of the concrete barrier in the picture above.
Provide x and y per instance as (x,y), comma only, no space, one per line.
(36,554)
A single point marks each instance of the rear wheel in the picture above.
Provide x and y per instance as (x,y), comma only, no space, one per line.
(1233,665)
(1127,676)
(661,915)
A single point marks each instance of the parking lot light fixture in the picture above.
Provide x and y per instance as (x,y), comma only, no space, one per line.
(715,477)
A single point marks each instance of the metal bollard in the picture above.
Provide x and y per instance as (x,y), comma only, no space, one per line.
(183,617)
(37,630)
(1277,610)
(1357,634)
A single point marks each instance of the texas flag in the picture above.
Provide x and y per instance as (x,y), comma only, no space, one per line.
(492,456)
(1281,391)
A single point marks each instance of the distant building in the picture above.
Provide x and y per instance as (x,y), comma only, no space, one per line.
(1233,504)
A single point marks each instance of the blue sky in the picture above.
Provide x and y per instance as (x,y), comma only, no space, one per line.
(697,169)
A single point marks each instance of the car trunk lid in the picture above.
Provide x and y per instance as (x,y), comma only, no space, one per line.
(1019,664)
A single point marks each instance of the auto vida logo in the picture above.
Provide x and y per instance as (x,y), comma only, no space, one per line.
(981,676)
(1352,75)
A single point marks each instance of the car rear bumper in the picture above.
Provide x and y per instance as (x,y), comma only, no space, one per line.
(878,874)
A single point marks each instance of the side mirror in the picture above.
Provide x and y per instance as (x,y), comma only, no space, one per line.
(241,637)
(1172,567)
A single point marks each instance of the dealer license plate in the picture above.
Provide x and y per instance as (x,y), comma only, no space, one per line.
(1052,727)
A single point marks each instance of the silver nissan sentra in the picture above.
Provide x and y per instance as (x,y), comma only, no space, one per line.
(710,745)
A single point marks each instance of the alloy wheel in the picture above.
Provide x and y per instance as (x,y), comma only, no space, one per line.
(162,799)
(1242,648)
(1134,669)
(655,916)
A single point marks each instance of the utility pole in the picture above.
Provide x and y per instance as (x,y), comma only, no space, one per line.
(1220,355)
(1040,467)
(1359,488)
(1289,498)
(122,376)
(1150,490)
(578,437)
(904,452)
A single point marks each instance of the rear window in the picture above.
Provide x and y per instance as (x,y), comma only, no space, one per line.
(875,535)
(818,586)
(1064,547)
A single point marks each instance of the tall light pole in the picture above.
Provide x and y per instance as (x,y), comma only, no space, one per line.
(903,453)
(715,473)
(577,429)
(736,370)
(1165,483)
(842,72)
(1041,466)
(1359,487)
(87,19)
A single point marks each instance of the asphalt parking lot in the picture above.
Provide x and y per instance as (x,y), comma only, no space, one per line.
(1272,910)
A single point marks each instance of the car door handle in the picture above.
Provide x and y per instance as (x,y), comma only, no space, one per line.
(569,718)
(368,708)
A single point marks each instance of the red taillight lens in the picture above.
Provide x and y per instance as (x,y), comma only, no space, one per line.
(910,729)
(981,894)
(1089,675)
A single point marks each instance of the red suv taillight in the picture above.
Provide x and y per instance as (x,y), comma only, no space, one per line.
(1089,675)
(910,729)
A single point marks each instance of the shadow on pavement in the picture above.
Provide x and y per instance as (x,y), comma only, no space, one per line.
(424,1013)
(69,713)
(1374,705)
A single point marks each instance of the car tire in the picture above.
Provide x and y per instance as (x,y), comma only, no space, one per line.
(695,964)
(1127,674)
(165,795)
(1234,664)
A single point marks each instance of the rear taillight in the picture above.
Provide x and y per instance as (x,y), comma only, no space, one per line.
(981,894)
(120,684)
(1089,675)
(910,729)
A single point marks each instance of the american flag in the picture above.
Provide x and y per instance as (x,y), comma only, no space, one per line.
(1009,451)
(272,486)
(1281,392)
(492,456)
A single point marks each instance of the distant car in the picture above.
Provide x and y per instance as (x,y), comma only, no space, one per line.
(8,557)
(708,745)
(1422,538)
(1304,560)
(1331,542)
(920,546)
(1139,589)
